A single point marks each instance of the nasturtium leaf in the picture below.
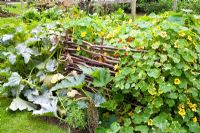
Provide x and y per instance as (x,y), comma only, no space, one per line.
(128,129)
(14,80)
(76,81)
(176,19)
(175,127)
(155,73)
(20,104)
(170,102)
(51,65)
(167,87)
(115,127)
(197,47)
(157,102)
(109,105)
(175,57)
(142,129)
(188,55)
(194,127)
(161,122)
(175,72)
(101,77)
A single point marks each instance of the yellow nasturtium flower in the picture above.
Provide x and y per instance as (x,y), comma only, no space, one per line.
(116,67)
(150,122)
(189,38)
(177,81)
(180,106)
(181,109)
(182,112)
(181,33)
(130,113)
(163,34)
(193,107)
(78,48)
(194,119)
(83,34)
(176,44)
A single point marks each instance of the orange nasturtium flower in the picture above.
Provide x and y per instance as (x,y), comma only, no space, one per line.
(177,81)
(150,122)
(83,34)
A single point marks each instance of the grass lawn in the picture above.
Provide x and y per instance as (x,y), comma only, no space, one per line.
(23,122)
(16,10)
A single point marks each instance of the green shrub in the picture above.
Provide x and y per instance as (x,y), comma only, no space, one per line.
(31,15)
(52,13)
(193,5)
(156,7)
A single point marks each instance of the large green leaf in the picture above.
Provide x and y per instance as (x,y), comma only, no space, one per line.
(26,52)
(109,105)
(51,65)
(47,102)
(70,82)
(101,77)
(155,73)
(14,80)
(20,104)
(167,87)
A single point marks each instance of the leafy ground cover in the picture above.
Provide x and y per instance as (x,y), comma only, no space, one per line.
(23,122)
(152,91)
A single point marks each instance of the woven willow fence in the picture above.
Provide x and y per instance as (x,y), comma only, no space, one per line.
(95,55)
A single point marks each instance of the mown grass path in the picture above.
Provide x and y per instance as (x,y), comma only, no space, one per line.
(23,122)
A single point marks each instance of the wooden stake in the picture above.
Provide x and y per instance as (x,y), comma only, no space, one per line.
(133,8)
